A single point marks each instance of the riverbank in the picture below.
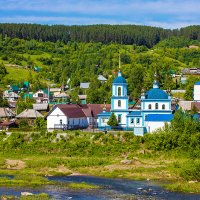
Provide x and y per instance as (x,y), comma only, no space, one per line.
(35,169)
(30,157)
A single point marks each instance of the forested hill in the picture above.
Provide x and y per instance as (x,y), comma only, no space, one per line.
(123,34)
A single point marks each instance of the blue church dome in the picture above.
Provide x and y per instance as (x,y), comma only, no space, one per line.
(156,93)
(120,79)
(197,83)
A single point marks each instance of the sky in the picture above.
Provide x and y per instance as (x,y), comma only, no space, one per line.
(170,14)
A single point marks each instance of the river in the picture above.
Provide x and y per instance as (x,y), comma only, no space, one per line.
(110,189)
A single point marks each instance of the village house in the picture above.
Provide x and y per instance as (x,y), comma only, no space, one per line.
(42,96)
(66,116)
(82,98)
(91,111)
(102,78)
(14,88)
(41,107)
(84,85)
(30,115)
(6,118)
(10,96)
(74,116)
(60,97)
(192,71)
(6,114)
(5,125)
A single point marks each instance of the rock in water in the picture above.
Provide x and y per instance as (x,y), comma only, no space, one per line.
(26,194)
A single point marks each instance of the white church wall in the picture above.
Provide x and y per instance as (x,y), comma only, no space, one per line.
(123,104)
(153,126)
(153,105)
(196,92)
(123,118)
(104,121)
(136,122)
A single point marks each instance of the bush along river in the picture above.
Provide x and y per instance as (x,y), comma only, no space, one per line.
(105,188)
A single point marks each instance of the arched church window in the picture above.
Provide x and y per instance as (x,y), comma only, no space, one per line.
(119,118)
(149,106)
(119,103)
(132,120)
(163,106)
(156,106)
(119,91)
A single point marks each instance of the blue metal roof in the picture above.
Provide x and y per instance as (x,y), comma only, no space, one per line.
(104,114)
(120,79)
(197,83)
(156,93)
(159,117)
(134,113)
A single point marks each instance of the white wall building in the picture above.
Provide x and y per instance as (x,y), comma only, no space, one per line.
(65,116)
(197,91)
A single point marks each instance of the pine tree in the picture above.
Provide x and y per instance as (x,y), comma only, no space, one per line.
(112,120)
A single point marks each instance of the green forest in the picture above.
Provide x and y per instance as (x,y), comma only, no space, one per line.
(81,53)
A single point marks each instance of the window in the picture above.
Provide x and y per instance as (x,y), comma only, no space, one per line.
(119,118)
(40,95)
(163,107)
(156,106)
(138,120)
(149,106)
(119,103)
(132,120)
(60,121)
(103,120)
(119,91)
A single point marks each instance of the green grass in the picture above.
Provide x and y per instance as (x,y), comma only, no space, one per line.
(82,185)
(24,180)
(18,74)
(183,186)
(41,196)
(35,57)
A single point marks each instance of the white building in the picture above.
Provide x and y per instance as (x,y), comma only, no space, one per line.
(65,116)
(42,96)
(197,91)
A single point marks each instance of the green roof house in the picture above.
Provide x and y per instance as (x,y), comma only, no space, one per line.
(26,84)
(14,88)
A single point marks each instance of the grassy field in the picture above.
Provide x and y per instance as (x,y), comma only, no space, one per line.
(30,170)
(115,156)
(18,73)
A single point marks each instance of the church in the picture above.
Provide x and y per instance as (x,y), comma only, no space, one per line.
(155,109)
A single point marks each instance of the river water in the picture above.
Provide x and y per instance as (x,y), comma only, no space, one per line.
(110,189)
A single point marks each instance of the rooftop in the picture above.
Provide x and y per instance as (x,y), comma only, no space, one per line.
(29,114)
(84,85)
(120,79)
(159,117)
